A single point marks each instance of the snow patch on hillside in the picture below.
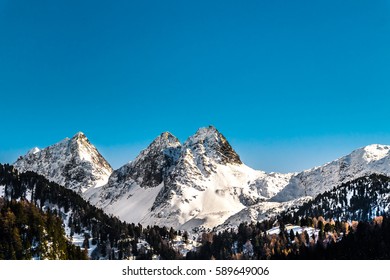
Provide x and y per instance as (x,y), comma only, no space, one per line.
(2,190)
(134,205)
(361,162)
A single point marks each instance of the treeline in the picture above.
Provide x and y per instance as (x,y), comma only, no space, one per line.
(348,222)
(365,241)
(113,238)
(360,200)
(329,240)
(33,210)
(29,233)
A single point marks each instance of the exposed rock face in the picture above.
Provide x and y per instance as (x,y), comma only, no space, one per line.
(201,182)
(74,163)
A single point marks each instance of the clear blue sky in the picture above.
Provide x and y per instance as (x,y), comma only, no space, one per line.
(291,84)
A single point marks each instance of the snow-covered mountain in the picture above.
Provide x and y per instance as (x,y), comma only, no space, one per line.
(199,183)
(262,211)
(132,189)
(361,199)
(372,159)
(74,163)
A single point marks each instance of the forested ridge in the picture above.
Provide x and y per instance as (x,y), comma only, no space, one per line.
(331,240)
(38,220)
(113,238)
(360,199)
(348,222)
(27,232)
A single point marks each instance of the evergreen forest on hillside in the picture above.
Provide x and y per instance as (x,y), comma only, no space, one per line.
(40,219)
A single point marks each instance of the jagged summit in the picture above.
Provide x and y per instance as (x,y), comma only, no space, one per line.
(201,182)
(168,183)
(168,137)
(153,163)
(132,189)
(79,134)
(163,141)
(74,163)
(209,142)
(80,137)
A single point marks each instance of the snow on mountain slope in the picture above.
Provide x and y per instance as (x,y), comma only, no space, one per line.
(137,183)
(361,162)
(2,191)
(208,159)
(261,211)
(361,199)
(74,163)
(269,184)
(207,201)
(199,183)
(208,184)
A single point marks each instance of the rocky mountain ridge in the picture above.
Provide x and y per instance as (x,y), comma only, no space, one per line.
(199,183)
(73,163)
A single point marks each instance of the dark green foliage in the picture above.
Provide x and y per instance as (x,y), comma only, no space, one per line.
(360,200)
(370,240)
(114,239)
(27,232)
(368,196)
(34,230)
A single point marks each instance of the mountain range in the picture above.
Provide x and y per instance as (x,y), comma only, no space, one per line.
(200,183)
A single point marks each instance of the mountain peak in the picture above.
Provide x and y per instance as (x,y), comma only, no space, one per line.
(205,132)
(161,143)
(79,135)
(73,163)
(152,165)
(166,139)
(377,149)
(33,151)
(167,135)
(211,143)
(370,153)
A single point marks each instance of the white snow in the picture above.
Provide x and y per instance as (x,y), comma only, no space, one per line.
(375,152)
(349,196)
(296,229)
(204,183)
(74,163)
(76,239)
(2,190)
(135,204)
(261,211)
(185,246)
(361,162)
(34,151)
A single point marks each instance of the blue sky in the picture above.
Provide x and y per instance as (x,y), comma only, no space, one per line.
(291,84)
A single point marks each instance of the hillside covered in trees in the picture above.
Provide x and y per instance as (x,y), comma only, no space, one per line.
(29,233)
(360,199)
(32,203)
(328,240)
(41,220)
